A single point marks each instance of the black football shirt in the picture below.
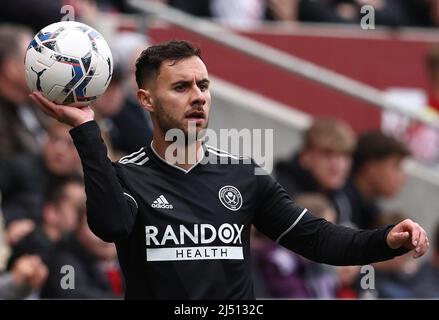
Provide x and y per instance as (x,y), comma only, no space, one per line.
(185,234)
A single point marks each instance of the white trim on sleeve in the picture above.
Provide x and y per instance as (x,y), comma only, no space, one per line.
(132,198)
(292,226)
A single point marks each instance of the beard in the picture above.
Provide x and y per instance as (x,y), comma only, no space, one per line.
(166,122)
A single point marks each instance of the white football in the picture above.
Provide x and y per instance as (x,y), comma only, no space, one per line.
(69,62)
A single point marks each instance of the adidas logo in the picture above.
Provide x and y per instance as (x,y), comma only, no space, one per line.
(161,203)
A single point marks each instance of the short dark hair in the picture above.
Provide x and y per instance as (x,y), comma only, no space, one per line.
(150,60)
(55,191)
(375,145)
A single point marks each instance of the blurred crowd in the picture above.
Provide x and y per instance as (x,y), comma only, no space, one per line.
(395,13)
(342,178)
(43,201)
(336,174)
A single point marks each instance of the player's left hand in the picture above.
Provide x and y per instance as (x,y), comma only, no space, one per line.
(410,235)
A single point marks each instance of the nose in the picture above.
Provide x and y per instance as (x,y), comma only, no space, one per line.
(198,98)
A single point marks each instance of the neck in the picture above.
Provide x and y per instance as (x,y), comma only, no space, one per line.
(364,187)
(12,93)
(183,156)
(52,233)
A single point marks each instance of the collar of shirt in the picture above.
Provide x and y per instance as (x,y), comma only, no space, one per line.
(173,167)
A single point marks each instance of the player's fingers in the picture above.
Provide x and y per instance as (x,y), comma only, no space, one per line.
(402,236)
(422,245)
(42,105)
(46,102)
(397,239)
(416,234)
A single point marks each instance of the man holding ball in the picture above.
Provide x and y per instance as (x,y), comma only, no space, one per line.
(182,228)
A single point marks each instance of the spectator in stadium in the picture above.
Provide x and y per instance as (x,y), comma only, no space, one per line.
(194,7)
(421,139)
(322,165)
(239,13)
(21,125)
(347,282)
(33,14)
(387,12)
(24,179)
(24,280)
(107,106)
(89,256)
(288,275)
(394,13)
(132,124)
(283,10)
(377,173)
(64,200)
(432,66)
(425,282)
(154,205)
(422,13)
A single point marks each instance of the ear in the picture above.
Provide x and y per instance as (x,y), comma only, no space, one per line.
(145,99)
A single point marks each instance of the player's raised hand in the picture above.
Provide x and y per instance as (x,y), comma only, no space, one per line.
(410,235)
(71,115)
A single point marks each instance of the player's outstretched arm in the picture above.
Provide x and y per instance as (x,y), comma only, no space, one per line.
(334,244)
(319,240)
(109,213)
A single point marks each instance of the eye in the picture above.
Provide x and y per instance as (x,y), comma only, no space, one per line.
(203,87)
(180,88)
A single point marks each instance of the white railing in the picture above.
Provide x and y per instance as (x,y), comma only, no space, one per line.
(278,58)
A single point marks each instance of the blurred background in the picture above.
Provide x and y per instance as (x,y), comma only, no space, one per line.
(352,95)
